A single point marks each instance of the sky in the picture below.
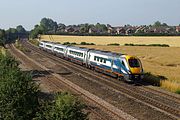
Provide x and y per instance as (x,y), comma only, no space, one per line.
(115,12)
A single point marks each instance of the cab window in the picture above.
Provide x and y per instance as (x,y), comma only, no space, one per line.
(133,63)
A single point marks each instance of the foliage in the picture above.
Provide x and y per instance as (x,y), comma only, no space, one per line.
(178,91)
(8,36)
(20,29)
(19,97)
(65,107)
(114,44)
(36,31)
(18,92)
(2,37)
(85,43)
(157,24)
(48,25)
(34,42)
(66,43)
(19,46)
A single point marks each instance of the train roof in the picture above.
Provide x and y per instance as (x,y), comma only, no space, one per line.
(60,45)
(108,53)
(78,48)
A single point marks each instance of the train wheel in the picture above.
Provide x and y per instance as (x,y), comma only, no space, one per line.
(120,78)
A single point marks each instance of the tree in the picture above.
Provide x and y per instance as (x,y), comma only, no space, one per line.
(48,25)
(11,34)
(20,29)
(65,107)
(84,28)
(18,92)
(36,31)
(157,24)
(101,27)
(2,37)
(164,24)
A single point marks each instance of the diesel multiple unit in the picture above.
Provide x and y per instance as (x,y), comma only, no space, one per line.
(124,67)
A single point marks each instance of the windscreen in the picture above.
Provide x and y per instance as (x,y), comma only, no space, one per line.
(134,63)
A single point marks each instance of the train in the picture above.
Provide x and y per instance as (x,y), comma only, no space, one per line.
(121,66)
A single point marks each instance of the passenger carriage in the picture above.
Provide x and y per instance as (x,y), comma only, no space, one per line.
(76,54)
(60,50)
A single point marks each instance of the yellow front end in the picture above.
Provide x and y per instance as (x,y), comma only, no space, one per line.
(134,65)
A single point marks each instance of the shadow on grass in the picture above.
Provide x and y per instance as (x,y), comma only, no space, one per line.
(150,79)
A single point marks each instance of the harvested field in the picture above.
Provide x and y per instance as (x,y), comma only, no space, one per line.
(103,40)
(156,60)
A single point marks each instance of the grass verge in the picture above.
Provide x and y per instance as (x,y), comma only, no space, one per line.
(162,81)
(34,42)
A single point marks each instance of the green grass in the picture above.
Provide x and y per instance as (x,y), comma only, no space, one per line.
(34,42)
(19,46)
(178,92)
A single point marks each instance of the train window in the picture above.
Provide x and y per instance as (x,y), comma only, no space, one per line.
(94,58)
(104,60)
(123,63)
(60,49)
(101,59)
(98,59)
(133,63)
(49,46)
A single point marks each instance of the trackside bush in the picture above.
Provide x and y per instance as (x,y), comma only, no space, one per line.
(114,44)
(18,93)
(34,42)
(64,107)
(85,43)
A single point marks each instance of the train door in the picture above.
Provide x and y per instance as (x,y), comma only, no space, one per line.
(87,57)
(66,51)
(112,63)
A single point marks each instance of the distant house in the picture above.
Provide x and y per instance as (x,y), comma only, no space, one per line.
(177,28)
(130,30)
(92,30)
(69,29)
(76,29)
(110,30)
(141,29)
(120,30)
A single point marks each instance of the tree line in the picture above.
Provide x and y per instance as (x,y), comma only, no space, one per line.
(49,26)
(11,34)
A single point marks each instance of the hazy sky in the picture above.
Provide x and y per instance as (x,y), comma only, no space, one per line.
(114,12)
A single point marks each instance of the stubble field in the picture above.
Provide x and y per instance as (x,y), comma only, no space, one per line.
(104,40)
(163,61)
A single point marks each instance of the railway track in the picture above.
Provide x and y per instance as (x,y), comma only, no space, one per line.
(55,81)
(141,94)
